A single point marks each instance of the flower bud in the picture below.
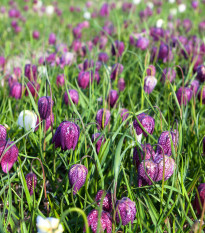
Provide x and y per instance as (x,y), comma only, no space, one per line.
(44,107)
(199,202)
(52,39)
(77,176)
(184,95)
(9,157)
(164,142)
(146,121)
(168,74)
(66,135)
(112,98)
(124,114)
(102,118)
(100,140)
(103,57)
(116,71)
(107,201)
(84,79)
(118,48)
(126,210)
(3,132)
(146,153)
(33,88)
(121,84)
(31,181)
(73,95)
(31,72)
(142,43)
(36,35)
(16,90)
(195,86)
(149,84)
(60,81)
(105,221)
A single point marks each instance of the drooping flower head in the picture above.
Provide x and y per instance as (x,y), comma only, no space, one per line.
(146,121)
(44,106)
(3,132)
(112,98)
(31,181)
(102,118)
(149,84)
(107,201)
(126,210)
(73,95)
(105,221)
(9,157)
(77,176)
(100,141)
(66,135)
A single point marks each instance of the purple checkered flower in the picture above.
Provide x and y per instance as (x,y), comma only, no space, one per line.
(195,86)
(3,132)
(118,48)
(151,70)
(125,210)
(84,79)
(73,95)
(60,80)
(121,84)
(102,118)
(16,90)
(77,176)
(124,114)
(184,95)
(44,106)
(146,121)
(107,201)
(113,97)
(164,142)
(31,72)
(168,74)
(146,153)
(116,71)
(100,141)
(9,157)
(199,202)
(31,181)
(105,221)
(66,135)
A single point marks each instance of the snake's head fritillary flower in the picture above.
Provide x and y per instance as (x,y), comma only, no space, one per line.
(195,86)
(33,88)
(84,79)
(73,95)
(199,202)
(107,201)
(44,106)
(31,72)
(77,32)
(100,141)
(104,11)
(147,167)
(52,39)
(87,64)
(31,181)
(3,132)
(165,164)
(116,71)
(125,210)
(142,43)
(184,95)
(164,142)
(121,84)
(60,80)
(151,70)
(36,35)
(118,48)
(105,221)
(124,113)
(103,57)
(168,74)
(149,84)
(66,135)
(112,98)
(27,120)
(48,225)
(146,153)
(102,118)
(146,121)
(9,157)
(201,73)
(16,90)
(77,176)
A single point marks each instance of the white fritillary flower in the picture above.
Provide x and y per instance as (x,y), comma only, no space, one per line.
(48,225)
(27,119)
